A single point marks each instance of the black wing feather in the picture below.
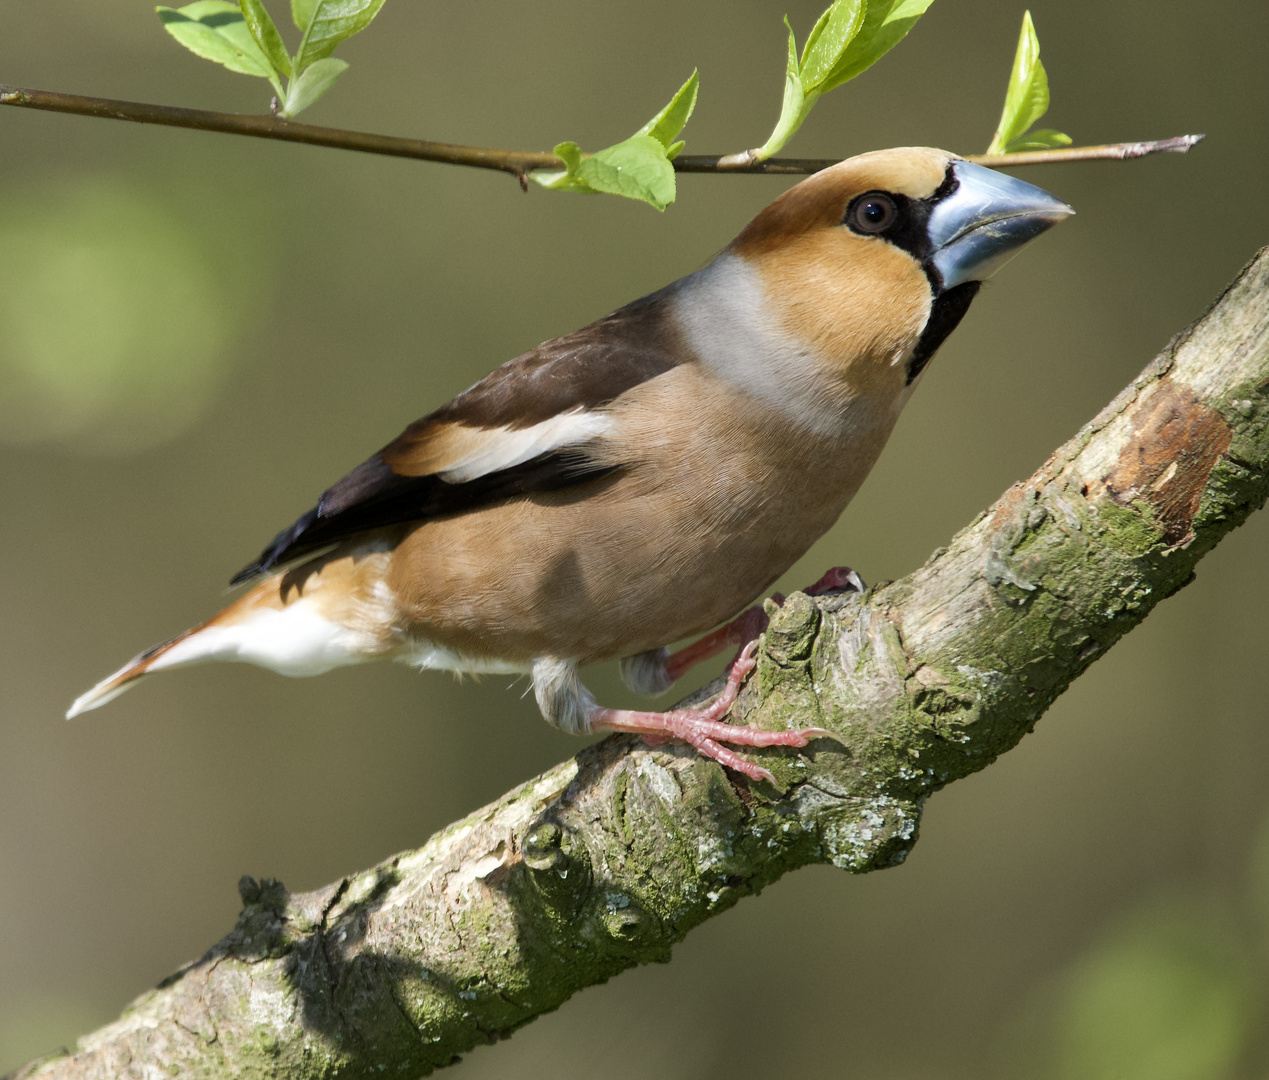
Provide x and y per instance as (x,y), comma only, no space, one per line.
(401,499)
(583,370)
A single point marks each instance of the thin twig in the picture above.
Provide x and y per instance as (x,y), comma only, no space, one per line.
(275,127)
(517,162)
(1107,152)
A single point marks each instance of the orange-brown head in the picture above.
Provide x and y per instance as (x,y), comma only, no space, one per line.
(872,263)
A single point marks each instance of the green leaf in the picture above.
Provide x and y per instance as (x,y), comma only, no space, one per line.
(312,83)
(571,154)
(302,13)
(266,35)
(1041,139)
(886,23)
(331,22)
(566,180)
(216,30)
(636,168)
(847,39)
(797,104)
(1027,98)
(791,66)
(811,38)
(833,33)
(666,125)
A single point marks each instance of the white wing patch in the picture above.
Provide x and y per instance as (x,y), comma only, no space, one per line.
(476,452)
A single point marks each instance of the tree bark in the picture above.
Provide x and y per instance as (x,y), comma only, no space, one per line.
(609,859)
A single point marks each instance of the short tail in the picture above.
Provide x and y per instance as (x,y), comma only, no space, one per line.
(121,680)
(296,623)
(214,639)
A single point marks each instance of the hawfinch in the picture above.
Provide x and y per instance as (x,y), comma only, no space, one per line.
(644,479)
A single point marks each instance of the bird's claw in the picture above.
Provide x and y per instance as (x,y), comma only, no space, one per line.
(838,579)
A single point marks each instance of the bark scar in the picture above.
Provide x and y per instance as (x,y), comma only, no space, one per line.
(1176,440)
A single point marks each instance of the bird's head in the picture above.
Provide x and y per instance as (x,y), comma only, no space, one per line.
(874,261)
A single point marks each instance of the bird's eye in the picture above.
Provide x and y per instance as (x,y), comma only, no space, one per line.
(871,213)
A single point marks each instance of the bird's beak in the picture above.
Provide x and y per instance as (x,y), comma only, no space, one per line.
(986,221)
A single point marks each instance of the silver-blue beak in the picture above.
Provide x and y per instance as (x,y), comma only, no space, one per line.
(986,221)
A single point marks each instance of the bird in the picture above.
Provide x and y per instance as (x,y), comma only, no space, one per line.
(644,479)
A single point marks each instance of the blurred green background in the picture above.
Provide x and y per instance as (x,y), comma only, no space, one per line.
(198,333)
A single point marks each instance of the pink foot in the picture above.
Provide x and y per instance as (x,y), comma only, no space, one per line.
(703,729)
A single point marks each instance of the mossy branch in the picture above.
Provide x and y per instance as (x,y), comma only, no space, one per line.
(611,858)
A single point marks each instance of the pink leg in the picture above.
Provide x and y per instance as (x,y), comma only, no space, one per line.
(749,624)
(703,729)
(745,627)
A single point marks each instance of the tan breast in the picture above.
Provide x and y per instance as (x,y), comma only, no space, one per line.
(704,518)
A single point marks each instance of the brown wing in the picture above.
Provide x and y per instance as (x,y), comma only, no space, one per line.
(522,429)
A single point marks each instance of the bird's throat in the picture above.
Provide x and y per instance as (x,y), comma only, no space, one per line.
(945,315)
